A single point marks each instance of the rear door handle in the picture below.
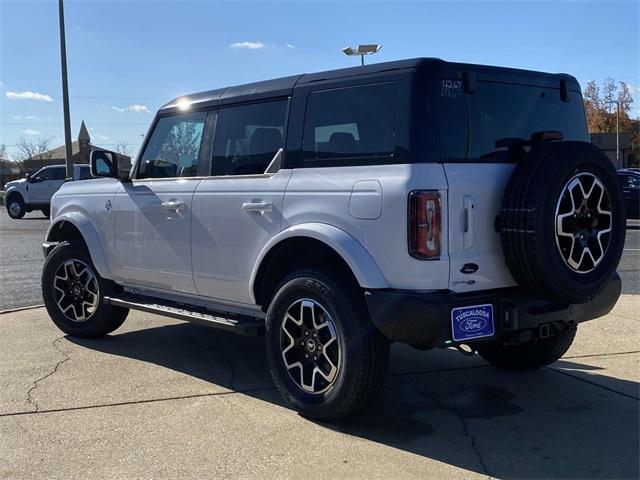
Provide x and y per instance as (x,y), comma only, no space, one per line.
(259,207)
(469,235)
(174,205)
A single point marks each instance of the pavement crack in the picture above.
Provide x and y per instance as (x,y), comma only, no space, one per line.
(465,427)
(474,445)
(248,391)
(37,381)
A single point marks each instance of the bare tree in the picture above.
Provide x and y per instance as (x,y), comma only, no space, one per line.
(4,158)
(39,149)
(122,148)
(5,166)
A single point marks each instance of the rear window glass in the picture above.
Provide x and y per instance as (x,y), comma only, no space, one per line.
(499,111)
(351,122)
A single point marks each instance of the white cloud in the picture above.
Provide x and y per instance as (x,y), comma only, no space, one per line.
(1,84)
(26,117)
(131,108)
(290,45)
(30,131)
(100,137)
(248,45)
(27,95)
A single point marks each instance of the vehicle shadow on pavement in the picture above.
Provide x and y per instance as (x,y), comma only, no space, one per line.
(541,424)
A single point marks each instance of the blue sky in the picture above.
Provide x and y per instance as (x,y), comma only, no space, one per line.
(127,58)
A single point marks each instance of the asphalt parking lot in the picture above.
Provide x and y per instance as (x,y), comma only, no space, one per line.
(21,260)
(162,398)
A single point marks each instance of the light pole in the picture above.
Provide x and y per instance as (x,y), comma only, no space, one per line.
(362,50)
(65,94)
(617,102)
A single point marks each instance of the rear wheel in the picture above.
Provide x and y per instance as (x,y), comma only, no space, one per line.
(46,211)
(528,355)
(326,357)
(16,207)
(73,293)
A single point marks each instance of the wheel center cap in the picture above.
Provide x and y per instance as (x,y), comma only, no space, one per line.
(77,290)
(311,345)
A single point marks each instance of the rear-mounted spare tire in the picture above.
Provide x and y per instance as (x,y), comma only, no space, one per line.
(562,222)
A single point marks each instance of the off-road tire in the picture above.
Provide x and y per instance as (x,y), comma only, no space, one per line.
(529,355)
(365,358)
(104,319)
(16,199)
(528,221)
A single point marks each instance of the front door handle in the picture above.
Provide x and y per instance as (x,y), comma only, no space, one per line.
(259,207)
(174,205)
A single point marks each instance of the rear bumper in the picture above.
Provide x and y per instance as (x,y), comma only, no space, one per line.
(423,320)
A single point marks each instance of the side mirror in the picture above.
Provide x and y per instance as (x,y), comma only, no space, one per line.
(28,177)
(104,164)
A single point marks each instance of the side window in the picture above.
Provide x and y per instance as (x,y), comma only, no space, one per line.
(248,137)
(350,123)
(58,173)
(43,175)
(85,173)
(174,147)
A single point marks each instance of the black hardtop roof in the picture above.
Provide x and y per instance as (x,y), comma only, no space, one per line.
(284,86)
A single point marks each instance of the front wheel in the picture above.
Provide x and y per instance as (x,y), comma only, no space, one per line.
(327,359)
(529,355)
(16,207)
(73,293)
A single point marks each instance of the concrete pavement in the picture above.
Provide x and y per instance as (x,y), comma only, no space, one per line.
(161,398)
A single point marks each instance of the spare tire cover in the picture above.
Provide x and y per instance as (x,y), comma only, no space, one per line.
(562,222)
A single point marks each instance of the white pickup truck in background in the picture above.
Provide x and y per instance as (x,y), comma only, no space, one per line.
(34,192)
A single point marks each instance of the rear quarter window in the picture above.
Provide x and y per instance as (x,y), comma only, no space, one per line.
(350,126)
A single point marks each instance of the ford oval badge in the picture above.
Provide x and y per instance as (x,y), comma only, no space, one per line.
(468,268)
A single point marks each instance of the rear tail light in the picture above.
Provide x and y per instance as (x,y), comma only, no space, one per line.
(425,234)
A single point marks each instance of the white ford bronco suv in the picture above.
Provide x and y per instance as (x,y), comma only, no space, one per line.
(419,201)
(34,192)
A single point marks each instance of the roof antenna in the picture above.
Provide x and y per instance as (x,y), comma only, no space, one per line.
(362,50)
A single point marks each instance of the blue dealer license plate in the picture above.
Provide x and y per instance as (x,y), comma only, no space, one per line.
(472,322)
